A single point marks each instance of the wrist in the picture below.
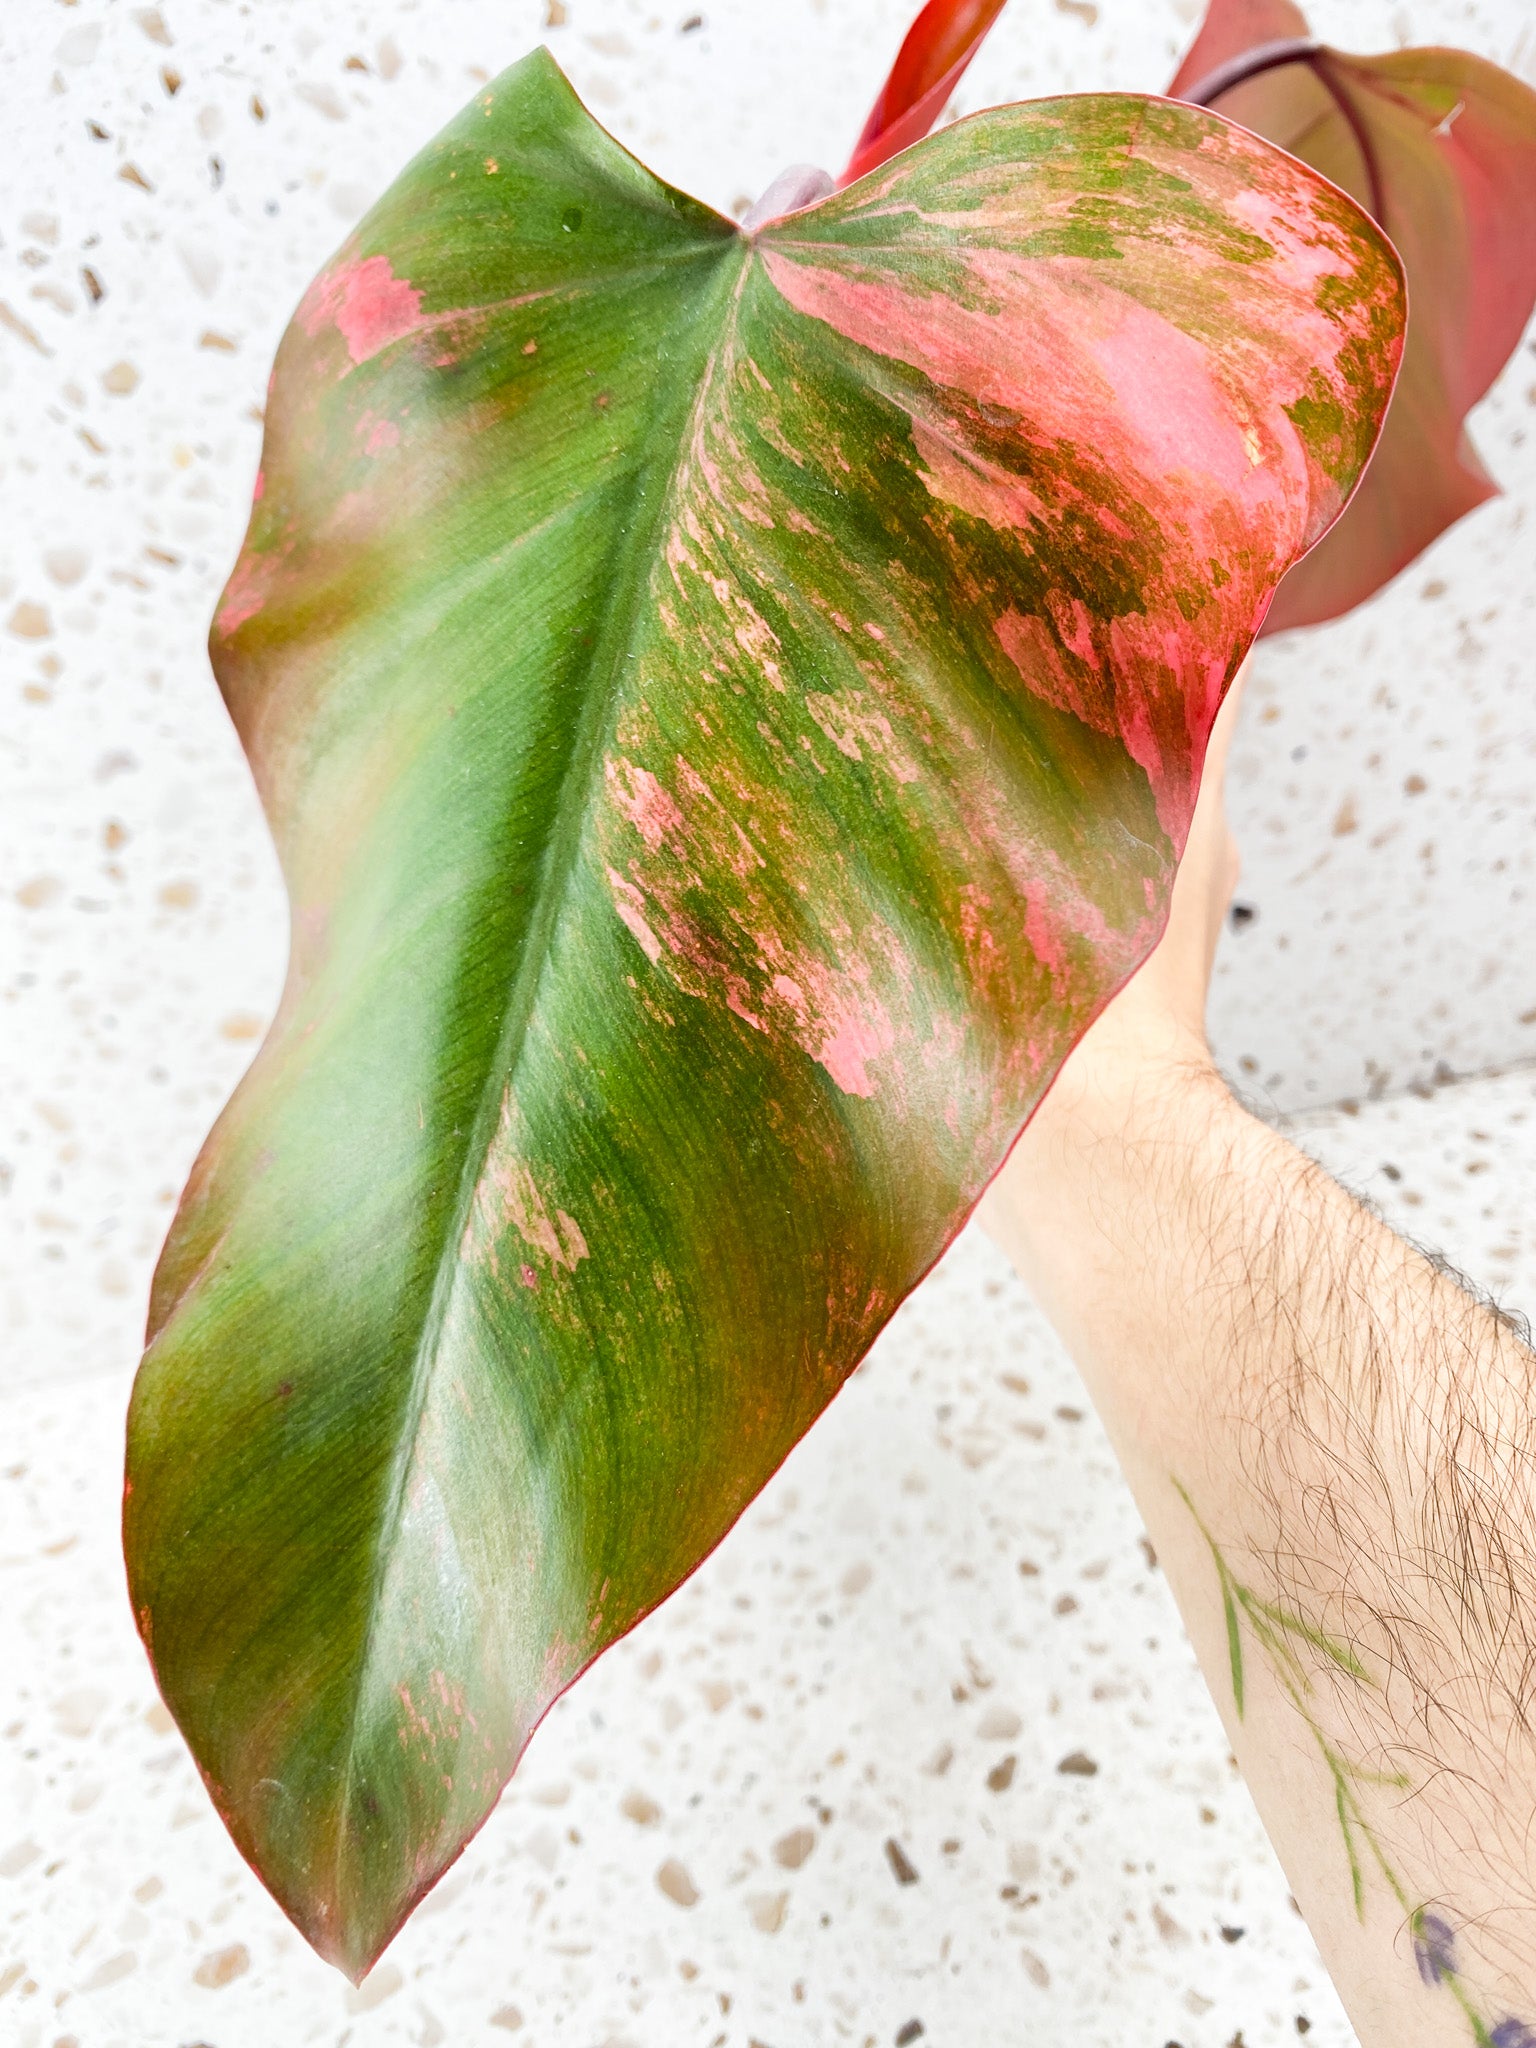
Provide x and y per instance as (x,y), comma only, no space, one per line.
(1140,1081)
(1137,1132)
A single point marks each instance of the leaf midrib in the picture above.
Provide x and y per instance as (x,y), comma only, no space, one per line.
(681,389)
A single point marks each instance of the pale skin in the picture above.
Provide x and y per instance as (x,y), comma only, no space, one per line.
(1315,1417)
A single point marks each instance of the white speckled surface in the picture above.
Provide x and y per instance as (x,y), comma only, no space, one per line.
(869,1614)
(942,1597)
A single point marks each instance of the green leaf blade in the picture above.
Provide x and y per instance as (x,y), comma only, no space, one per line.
(725,740)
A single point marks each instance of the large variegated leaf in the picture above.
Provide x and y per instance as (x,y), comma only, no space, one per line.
(1441,147)
(729,708)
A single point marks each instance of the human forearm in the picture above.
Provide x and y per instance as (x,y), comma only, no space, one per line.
(1331,1444)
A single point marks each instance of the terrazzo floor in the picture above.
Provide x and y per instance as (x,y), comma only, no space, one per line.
(919,1756)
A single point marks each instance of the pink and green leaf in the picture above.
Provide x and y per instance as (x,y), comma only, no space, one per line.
(729,708)
(931,62)
(1441,147)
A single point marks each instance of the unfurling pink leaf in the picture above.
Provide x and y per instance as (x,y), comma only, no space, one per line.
(1441,147)
(929,65)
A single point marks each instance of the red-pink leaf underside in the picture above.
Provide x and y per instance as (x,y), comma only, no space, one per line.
(1441,147)
(729,709)
(1231,29)
(931,62)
